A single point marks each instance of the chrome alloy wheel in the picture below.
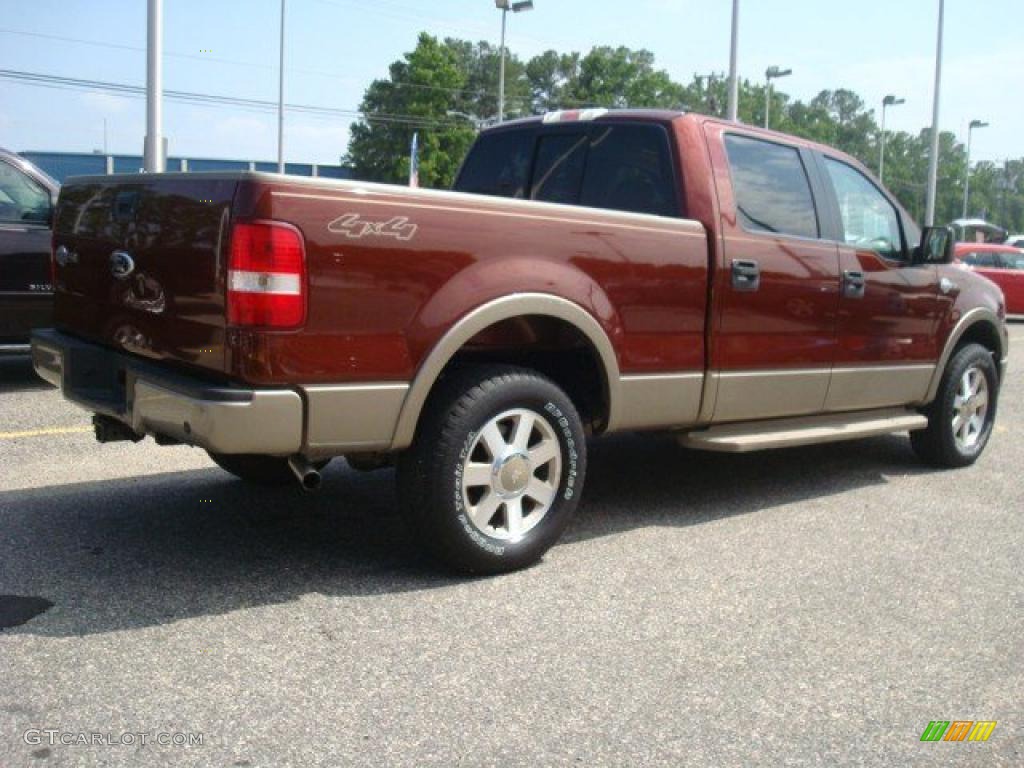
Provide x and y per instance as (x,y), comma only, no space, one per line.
(511,473)
(970,407)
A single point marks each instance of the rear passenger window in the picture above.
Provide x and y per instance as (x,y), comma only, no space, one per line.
(498,165)
(629,169)
(558,170)
(771,187)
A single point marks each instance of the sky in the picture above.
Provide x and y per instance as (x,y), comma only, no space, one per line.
(335,48)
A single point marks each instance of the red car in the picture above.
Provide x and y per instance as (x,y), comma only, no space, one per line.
(1003,265)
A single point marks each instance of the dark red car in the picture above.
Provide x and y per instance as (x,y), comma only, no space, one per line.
(1003,265)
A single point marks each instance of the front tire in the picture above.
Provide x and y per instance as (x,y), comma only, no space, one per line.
(496,469)
(961,418)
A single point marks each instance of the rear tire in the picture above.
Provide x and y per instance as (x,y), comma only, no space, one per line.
(496,469)
(259,470)
(961,417)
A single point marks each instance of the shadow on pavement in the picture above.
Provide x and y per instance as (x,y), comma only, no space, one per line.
(150,550)
(17,375)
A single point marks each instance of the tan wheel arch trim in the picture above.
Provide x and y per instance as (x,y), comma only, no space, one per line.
(969,320)
(505,308)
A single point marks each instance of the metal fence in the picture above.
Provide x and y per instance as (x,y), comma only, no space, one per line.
(60,165)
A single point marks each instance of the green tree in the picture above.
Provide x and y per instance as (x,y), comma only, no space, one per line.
(551,77)
(481,63)
(620,77)
(423,87)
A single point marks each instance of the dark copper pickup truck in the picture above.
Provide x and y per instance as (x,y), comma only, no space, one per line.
(592,272)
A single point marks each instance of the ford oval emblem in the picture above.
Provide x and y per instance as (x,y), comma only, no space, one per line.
(121,264)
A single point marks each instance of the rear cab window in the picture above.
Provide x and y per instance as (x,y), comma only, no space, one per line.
(498,165)
(614,166)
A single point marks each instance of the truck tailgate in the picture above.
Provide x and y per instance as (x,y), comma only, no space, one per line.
(139,265)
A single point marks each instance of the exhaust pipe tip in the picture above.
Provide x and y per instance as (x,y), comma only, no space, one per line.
(307,475)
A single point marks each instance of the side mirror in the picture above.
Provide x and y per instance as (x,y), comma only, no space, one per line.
(936,246)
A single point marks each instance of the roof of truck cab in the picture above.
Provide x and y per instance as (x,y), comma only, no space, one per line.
(600,115)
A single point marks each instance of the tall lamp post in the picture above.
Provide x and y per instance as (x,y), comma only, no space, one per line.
(967,174)
(516,6)
(153,145)
(772,73)
(734,82)
(888,101)
(280,99)
(933,160)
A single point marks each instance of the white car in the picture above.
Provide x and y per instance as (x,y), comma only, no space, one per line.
(1017,241)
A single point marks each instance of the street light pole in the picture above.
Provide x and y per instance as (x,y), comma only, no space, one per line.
(770,74)
(734,83)
(516,6)
(967,174)
(501,69)
(280,98)
(933,160)
(888,101)
(153,144)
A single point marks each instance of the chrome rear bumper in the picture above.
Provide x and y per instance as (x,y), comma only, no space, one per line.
(154,401)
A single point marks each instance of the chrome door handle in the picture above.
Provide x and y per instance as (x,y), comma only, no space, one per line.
(853,284)
(746,275)
(947,286)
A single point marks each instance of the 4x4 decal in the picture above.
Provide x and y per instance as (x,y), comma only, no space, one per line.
(352,226)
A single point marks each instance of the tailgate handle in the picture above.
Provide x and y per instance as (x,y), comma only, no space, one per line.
(746,275)
(853,284)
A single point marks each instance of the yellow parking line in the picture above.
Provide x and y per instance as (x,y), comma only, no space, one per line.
(44,432)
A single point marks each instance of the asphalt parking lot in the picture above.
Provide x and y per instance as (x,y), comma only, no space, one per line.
(813,606)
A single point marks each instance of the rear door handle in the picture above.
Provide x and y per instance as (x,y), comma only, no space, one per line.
(853,284)
(746,275)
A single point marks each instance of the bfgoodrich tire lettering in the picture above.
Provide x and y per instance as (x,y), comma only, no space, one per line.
(961,418)
(496,469)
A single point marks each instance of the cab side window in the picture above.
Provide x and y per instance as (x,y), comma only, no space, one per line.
(771,187)
(869,219)
(22,200)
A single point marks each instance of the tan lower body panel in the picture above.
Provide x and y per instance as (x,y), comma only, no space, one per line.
(356,417)
(269,423)
(658,401)
(879,386)
(771,394)
(745,395)
(805,430)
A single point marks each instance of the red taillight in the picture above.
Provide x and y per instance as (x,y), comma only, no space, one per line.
(267,275)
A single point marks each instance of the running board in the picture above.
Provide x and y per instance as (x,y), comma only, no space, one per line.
(806,430)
